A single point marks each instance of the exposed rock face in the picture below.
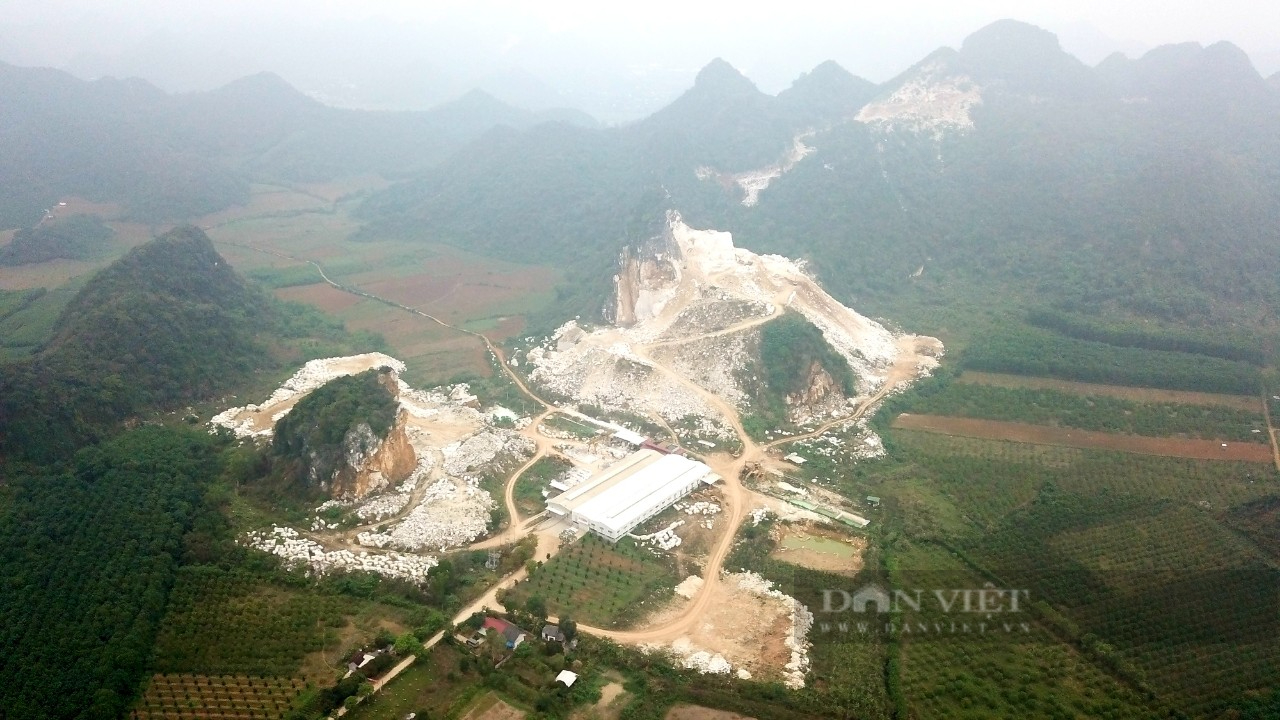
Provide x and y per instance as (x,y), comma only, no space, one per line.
(374,450)
(687,305)
(932,100)
(820,398)
(370,464)
(647,279)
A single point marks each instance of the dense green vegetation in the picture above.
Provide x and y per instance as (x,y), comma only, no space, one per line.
(89,555)
(242,622)
(1032,351)
(1210,342)
(313,438)
(169,323)
(79,237)
(790,347)
(1090,412)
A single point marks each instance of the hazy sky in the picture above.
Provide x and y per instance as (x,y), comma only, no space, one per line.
(576,47)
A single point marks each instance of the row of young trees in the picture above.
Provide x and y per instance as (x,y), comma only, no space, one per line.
(88,555)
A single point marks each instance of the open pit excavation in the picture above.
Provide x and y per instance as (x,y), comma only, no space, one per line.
(687,307)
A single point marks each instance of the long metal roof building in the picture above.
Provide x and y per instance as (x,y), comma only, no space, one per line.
(630,491)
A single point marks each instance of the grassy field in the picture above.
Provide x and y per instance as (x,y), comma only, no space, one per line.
(1097,412)
(1246,403)
(528,490)
(436,686)
(1085,439)
(575,427)
(598,583)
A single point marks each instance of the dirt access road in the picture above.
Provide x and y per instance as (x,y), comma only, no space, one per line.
(737,496)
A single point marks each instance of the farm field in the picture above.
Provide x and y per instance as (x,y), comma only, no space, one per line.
(176,697)
(236,623)
(1102,413)
(1085,439)
(491,707)
(1008,671)
(598,583)
(1246,403)
(1151,573)
(481,294)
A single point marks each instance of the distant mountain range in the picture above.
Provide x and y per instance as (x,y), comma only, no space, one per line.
(1149,187)
(171,157)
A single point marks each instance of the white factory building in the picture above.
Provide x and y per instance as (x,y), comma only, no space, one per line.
(637,487)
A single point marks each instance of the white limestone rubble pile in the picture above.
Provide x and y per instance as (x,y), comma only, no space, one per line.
(453,512)
(689,587)
(393,503)
(297,551)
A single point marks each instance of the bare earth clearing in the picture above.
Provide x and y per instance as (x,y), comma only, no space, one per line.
(820,549)
(696,712)
(1043,435)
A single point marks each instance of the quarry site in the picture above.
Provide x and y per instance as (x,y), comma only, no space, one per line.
(676,352)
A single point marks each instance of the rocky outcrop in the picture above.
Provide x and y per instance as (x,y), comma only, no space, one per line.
(348,437)
(648,277)
(820,397)
(370,464)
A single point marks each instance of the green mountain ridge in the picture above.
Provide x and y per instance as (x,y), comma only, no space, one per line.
(173,157)
(168,324)
(1065,189)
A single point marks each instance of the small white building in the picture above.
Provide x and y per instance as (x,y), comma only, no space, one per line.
(617,499)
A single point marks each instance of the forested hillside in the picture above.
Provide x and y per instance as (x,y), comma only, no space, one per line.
(575,196)
(168,324)
(102,497)
(173,157)
(88,555)
(79,237)
(1145,188)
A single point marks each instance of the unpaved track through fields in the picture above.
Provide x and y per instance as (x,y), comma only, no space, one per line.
(1271,431)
